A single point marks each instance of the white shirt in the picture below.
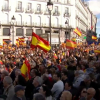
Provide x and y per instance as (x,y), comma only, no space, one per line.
(57,88)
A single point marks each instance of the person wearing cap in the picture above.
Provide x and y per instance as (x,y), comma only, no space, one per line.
(19,93)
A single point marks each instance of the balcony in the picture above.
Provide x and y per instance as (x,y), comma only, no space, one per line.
(19,23)
(45,24)
(28,24)
(67,2)
(19,10)
(38,12)
(55,25)
(6,23)
(67,15)
(37,24)
(29,11)
(6,8)
(56,13)
(46,13)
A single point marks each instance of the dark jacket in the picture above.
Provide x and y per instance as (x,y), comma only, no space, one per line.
(16,98)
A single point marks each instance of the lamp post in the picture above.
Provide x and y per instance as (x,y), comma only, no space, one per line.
(66,23)
(50,8)
(13,20)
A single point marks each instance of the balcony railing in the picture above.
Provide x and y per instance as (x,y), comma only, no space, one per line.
(56,13)
(29,11)
(19,23)
(5,23)
(38,12)
(19,10)
(67,2)
(37,24)
(46,13)
(67,15)
(6,8)
(28,24)
(45,24)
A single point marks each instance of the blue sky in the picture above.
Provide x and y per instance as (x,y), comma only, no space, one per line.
(94,6)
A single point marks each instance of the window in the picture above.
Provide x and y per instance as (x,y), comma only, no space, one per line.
(29,32)
(5,4)
(47,10)
(6,31)
(39,7)
(19,32)
(67,10)
(19,5)
(56,9)
(29,6)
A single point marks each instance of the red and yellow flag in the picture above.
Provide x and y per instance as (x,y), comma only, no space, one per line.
(40,43)
(1,46)
(21,39)
(97,51)
(25,70)
(70,44)
(94,37)
(17,43)
(78,32)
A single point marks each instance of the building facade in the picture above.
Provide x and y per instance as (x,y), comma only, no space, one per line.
(33,15)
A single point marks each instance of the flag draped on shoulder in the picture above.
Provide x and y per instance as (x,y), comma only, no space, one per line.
(70,44)
(39,42)
(94,37)
(78,32)
(97,51)
(25,70)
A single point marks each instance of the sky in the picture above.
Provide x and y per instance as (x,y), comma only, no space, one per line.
(94,6)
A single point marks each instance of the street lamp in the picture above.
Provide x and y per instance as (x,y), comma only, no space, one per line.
(66,23)
(50,8)
(13,20)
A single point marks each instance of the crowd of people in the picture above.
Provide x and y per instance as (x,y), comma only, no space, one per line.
(61,74)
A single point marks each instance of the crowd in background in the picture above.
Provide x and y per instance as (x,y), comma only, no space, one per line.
(61,74)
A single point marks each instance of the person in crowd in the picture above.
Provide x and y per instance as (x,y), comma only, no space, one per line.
(19,93)
(39,96)
(64,75)
(8,88)
(47,80)
(66,95)
(46,92)
(79,77)
(19,80)
(90,94)
(3,74)
(37,82)
(58,87)
(29,85)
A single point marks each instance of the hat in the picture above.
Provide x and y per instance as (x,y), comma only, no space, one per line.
(18,88)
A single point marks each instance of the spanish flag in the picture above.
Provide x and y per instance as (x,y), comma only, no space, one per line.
(97,51)
(1,46)
(25,70)
(4,43)
(40,43)
(94,37)
(21,39)
(74,39)
(78,32)
(70,44)
(17,42)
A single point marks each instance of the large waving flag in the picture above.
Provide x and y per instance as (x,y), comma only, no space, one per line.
(25,70)
(40,43)
(70,44)
(78,32)
(94,37)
